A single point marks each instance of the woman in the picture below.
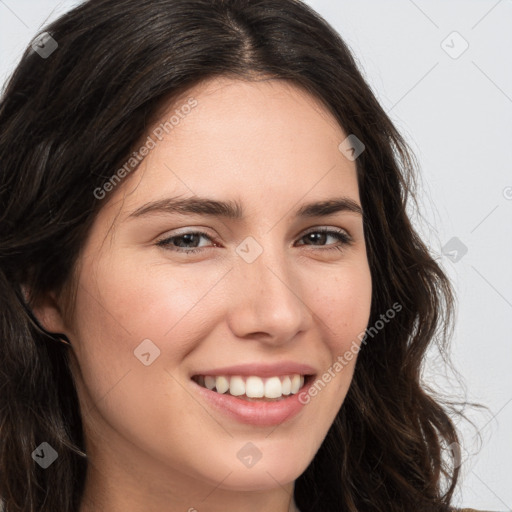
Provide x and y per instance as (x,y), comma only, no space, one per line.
(212,297)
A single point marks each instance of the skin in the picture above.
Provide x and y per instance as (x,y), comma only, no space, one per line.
(153,444)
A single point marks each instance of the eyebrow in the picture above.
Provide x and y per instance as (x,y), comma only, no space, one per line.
(233,209)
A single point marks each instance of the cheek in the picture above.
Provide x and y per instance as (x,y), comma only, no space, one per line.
(341,302)
(134,302)
(132,306)
(341,298)
(119,308)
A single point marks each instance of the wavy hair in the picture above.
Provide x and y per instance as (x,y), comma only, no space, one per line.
(68,120)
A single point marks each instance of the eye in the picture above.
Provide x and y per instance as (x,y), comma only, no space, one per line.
(322,234)
(176,243)
(188,242)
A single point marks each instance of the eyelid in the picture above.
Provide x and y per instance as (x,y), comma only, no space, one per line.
(345,239)
(325,229)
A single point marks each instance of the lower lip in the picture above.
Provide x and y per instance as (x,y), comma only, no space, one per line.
(261,413)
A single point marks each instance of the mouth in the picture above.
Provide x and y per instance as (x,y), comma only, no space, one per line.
(253,388)
(256,395)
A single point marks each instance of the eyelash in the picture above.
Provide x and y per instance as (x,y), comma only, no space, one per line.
(342,236)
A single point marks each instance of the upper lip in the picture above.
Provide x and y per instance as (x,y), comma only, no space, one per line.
(260,370)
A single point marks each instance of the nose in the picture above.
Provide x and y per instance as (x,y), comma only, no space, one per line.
(266,299)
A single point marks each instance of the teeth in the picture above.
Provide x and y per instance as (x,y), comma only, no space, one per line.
(236,386)
(273,388)
(253,387)
(209,382)
(222,384)
(286,384)
(296,384)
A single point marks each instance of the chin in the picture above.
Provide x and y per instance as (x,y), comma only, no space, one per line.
(262,479)
(275,467)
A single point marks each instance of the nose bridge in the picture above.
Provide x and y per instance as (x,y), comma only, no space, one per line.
(267,297)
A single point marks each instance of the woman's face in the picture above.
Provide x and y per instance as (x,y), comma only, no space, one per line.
(266,291)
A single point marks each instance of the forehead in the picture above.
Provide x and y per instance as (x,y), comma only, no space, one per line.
(255,139)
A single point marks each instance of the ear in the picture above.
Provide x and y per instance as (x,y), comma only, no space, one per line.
(47,311)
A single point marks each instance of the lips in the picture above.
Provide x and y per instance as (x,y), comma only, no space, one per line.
(253,386)
(261,395)
(256,380)
(279,369)
(253,411)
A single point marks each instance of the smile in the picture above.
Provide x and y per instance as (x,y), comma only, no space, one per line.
(276,398)
(253,387)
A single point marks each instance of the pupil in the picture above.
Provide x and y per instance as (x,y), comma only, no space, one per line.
(188,238)
(317,237)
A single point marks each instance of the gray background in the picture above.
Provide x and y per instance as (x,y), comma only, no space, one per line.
(454,107)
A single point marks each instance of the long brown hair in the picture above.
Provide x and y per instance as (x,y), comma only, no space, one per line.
(70,117)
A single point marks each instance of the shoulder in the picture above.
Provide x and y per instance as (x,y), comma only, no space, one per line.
(469,510)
